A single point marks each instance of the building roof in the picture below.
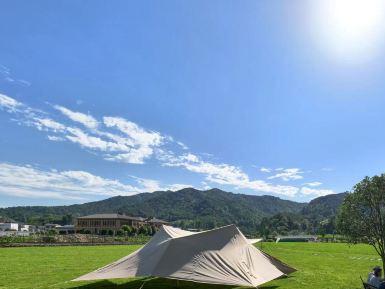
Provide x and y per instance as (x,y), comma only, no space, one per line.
(155,220)
(112,216)
(66,227)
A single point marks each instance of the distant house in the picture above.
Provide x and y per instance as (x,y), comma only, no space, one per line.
(98,222)
(66,229)
(157,223)
(9,226)
(299,238)
(25,228)
(50,226)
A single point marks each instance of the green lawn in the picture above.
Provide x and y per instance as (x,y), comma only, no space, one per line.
(320,266)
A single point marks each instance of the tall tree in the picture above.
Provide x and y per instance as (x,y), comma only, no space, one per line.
(362,214)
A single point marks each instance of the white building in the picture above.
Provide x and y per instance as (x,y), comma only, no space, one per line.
(66,229)
(9,226)
(25,228)
(51,226)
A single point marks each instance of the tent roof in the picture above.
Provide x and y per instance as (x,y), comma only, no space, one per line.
(218,256)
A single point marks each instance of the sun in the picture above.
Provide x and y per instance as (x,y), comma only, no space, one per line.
(350,29)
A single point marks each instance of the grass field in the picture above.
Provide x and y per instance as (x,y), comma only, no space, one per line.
(320,266)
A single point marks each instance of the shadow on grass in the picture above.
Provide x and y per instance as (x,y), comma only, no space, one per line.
(154,283)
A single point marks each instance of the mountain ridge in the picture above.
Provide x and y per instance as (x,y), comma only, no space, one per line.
(187,208)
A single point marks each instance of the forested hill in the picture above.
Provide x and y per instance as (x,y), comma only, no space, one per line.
(316,217)
(324,207)
(189,208)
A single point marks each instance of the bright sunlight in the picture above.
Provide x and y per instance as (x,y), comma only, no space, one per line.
(351,30)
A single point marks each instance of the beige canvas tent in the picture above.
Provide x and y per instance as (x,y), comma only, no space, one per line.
(219,256)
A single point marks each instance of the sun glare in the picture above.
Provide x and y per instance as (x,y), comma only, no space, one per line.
(352,30)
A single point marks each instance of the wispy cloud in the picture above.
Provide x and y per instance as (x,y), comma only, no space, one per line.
(85,119)
(313,184)
(182,145)
(137,135)
(223,174)
(287,174)
(120,140)
(8,103)
(150,185)
(116,138)
(31,182)
(55,138)
(6,75)
(265,170)
(315,192)
(48,124)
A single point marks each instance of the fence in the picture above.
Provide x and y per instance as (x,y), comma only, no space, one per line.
(74,239)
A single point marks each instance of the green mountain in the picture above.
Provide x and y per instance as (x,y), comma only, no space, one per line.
(316,217)
(323,208)
(187,208)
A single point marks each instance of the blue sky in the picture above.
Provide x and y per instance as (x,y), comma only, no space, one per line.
(254,97)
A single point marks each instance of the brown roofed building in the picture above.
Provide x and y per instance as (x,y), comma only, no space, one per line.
(98,222)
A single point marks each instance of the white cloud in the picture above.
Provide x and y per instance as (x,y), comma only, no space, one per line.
(48,124)
(313,184)
(133,145)
(138,135)
(224,174)
(55,138)
(315,192)
(182,145)
(31,182)
(150,185)
(139,142)
(190,157)
(134,156)
(85,119)
(8,103)
(265,170)
(120,140)
(80,137)
(287,174)
(177,187)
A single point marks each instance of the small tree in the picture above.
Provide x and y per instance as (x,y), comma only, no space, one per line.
(362,214)
(52,232)
(134,231)
(142,230)
(127,230)
(264,228)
